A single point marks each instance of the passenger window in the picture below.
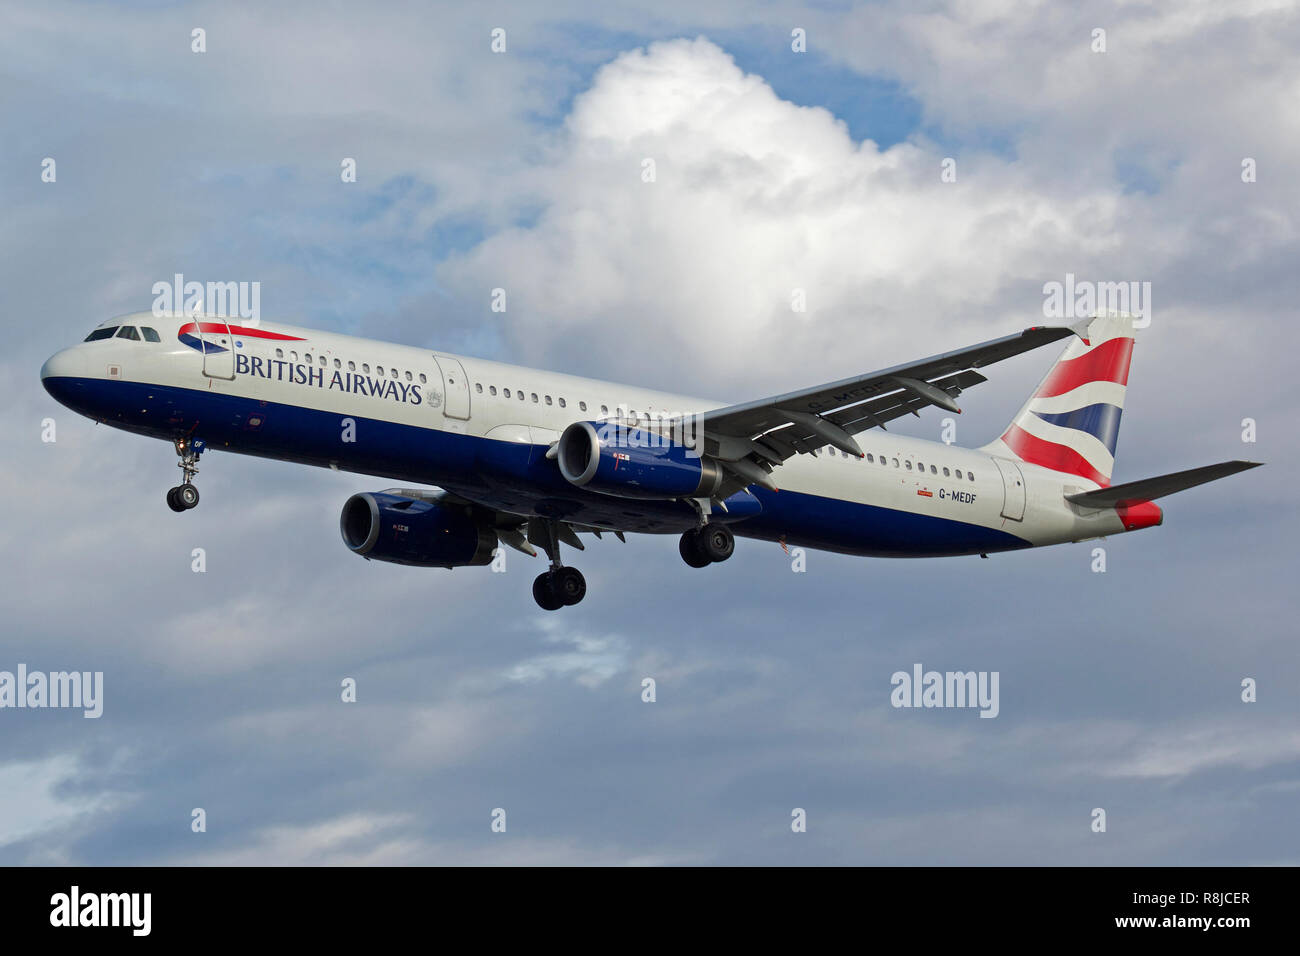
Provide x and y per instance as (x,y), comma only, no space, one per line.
(352,366)
(870,459)
(970,476)
(909,466)
(604,409)
(895,462)
(582,406)
(323,361)
(394,371)
(505,392)
(561,403)
(934,470)
(338,364)
(521,395)
(307,357)
(492,389)
(365,368)
(534,398)
(423,380)
(478,387)
(98,334)
(408,378)
(293,356)
(150,335)
(920,466)
(128,332)
(279,353)
(548,399)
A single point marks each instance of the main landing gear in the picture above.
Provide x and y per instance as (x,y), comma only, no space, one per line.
(185,496)
(561,586)
(707,545)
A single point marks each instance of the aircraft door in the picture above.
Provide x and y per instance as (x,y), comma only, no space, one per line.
(1013,489)
(218,349)
(455,387)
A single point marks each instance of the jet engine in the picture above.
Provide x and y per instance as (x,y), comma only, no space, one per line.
(615,459)
(429,534)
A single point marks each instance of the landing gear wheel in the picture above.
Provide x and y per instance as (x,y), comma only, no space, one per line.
(188,496)
(569,585)
(544,592)
(172,502)
(717,542)
(691,550)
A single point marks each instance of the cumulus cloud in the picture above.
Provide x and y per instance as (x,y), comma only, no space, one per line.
(752,203)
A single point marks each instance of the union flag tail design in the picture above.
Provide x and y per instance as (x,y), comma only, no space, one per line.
(1071,423)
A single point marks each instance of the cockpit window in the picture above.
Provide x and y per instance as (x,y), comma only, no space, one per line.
(149,334)
(98,334)
(128,332)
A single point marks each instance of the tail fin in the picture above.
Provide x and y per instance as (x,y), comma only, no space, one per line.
(1071,423)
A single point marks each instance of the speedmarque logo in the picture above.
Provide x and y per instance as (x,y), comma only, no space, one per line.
(102,909)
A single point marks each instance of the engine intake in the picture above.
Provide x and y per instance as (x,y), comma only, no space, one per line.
(615,459)
(402,530)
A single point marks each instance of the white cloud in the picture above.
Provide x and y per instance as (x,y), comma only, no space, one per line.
(34,797)
(755,197)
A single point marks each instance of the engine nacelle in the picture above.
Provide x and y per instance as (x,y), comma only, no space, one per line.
(615,459)
(427,534)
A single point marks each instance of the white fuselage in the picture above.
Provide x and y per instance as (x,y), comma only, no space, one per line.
(285,397)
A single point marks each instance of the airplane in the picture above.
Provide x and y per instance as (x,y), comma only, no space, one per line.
(530,459)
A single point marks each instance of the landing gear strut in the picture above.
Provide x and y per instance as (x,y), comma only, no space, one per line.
(707,545)
(560,586)
(185,496)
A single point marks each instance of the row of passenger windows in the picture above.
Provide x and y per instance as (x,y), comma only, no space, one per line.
(125,332)
(478,386)
(906,463)
(352,366)
(521,395)
(151,335)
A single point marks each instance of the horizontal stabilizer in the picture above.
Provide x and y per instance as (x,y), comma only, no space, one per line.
(1148,489)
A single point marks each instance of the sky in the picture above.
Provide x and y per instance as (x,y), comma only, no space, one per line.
(1169,157)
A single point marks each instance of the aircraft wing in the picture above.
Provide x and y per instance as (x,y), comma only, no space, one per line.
(756,436)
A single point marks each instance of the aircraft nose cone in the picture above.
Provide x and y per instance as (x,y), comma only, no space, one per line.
(60,373)
(64,364)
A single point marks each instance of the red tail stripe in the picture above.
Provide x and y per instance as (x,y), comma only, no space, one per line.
(1049,454)
(1108,362)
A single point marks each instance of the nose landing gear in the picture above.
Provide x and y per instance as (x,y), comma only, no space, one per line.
(185,495)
